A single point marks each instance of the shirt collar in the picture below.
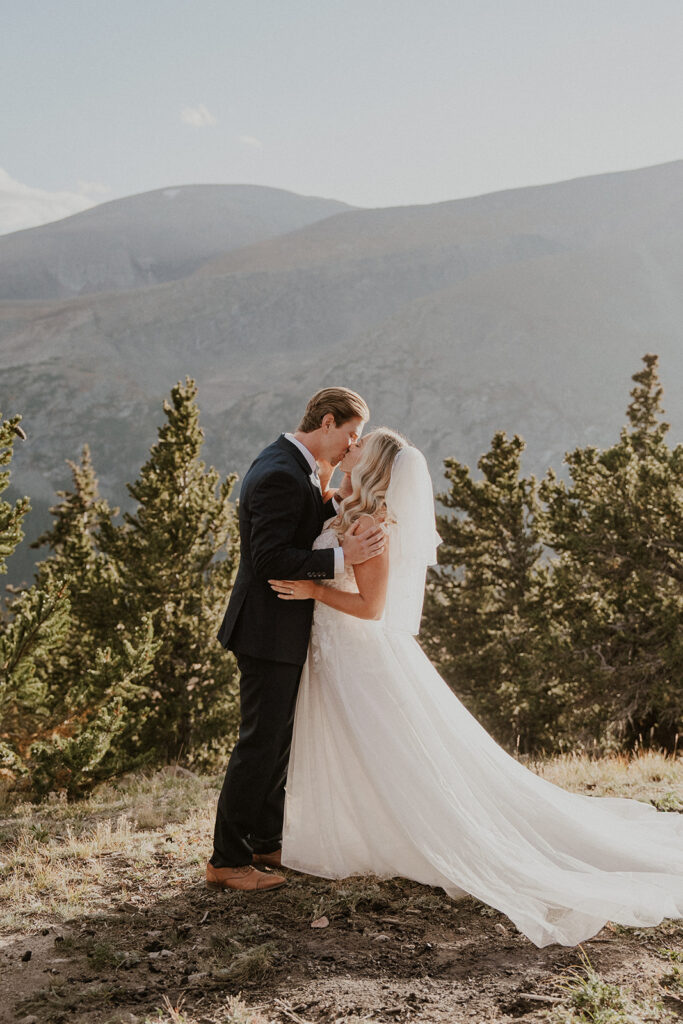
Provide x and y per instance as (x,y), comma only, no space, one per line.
(310,459)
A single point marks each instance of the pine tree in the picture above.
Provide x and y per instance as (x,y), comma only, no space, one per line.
(618,582)
(37,623)
(11,516)
(81,695)
(486,623)
(74,557)
(174,559)
(101,736)
(32,626)
(71,705)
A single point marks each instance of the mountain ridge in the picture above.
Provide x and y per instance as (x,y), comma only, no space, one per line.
(147,238)
(524,313)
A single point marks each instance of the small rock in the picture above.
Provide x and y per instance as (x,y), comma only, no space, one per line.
(29,1020)
(382,937)
(195,978)
(26,956)
(500,928)
(320,922)
(426,947)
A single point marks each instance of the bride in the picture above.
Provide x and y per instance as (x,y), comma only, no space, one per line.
(389,774)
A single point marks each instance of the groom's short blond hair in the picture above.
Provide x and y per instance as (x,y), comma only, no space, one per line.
(341,402)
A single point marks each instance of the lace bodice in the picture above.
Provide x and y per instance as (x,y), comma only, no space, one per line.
(327,622)
(328,539)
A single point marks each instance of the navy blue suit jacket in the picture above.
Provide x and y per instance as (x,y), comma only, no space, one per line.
(281,512)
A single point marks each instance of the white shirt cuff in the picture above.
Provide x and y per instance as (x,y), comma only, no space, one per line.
(338,562)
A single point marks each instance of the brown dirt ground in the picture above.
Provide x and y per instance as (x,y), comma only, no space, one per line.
(393,951)
(108,897)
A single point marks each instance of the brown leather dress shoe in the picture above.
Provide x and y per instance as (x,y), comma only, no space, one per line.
(246,878)
(271,860)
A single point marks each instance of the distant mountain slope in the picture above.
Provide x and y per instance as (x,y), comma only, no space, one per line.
(526,310)
(576,213)
(148,239)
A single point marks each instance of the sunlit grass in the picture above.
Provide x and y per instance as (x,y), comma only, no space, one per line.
(652,776)
(587,998)
(60,859)
(235,1011)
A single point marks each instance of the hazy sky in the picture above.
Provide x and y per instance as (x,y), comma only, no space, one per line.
(375,102)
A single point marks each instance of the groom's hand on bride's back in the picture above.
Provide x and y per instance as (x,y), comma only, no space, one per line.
(362,543)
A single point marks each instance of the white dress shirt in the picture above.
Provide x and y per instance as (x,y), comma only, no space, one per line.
(310,459)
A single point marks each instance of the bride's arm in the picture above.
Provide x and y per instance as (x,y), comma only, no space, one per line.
(368,603)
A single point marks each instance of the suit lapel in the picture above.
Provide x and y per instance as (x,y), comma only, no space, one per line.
(301,461)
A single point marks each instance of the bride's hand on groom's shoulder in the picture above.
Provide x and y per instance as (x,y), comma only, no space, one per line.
(294,590)
(325,473)
(361,542)
(345,487)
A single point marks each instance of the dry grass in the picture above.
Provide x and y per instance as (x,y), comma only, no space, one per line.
(235,1011)
(588,999)
(651,776)
(124,868)
(56,858)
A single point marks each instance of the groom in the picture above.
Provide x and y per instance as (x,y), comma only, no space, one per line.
(283,504)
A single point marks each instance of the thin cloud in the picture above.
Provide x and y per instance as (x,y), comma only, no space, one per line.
(93,188)
(197,117)
(22,206)
(250,140)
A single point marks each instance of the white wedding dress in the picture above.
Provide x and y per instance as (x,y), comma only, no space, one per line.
(390,775)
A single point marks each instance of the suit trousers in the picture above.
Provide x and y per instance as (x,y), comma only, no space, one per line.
(251,805)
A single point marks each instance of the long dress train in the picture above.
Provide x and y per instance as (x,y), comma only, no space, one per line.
(390,775)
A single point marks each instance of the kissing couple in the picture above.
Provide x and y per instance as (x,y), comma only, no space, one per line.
(386,771)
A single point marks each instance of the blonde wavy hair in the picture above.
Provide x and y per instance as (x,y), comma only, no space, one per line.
(370,479)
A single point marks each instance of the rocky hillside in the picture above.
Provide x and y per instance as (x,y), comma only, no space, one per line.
(147,239)
(525,310)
